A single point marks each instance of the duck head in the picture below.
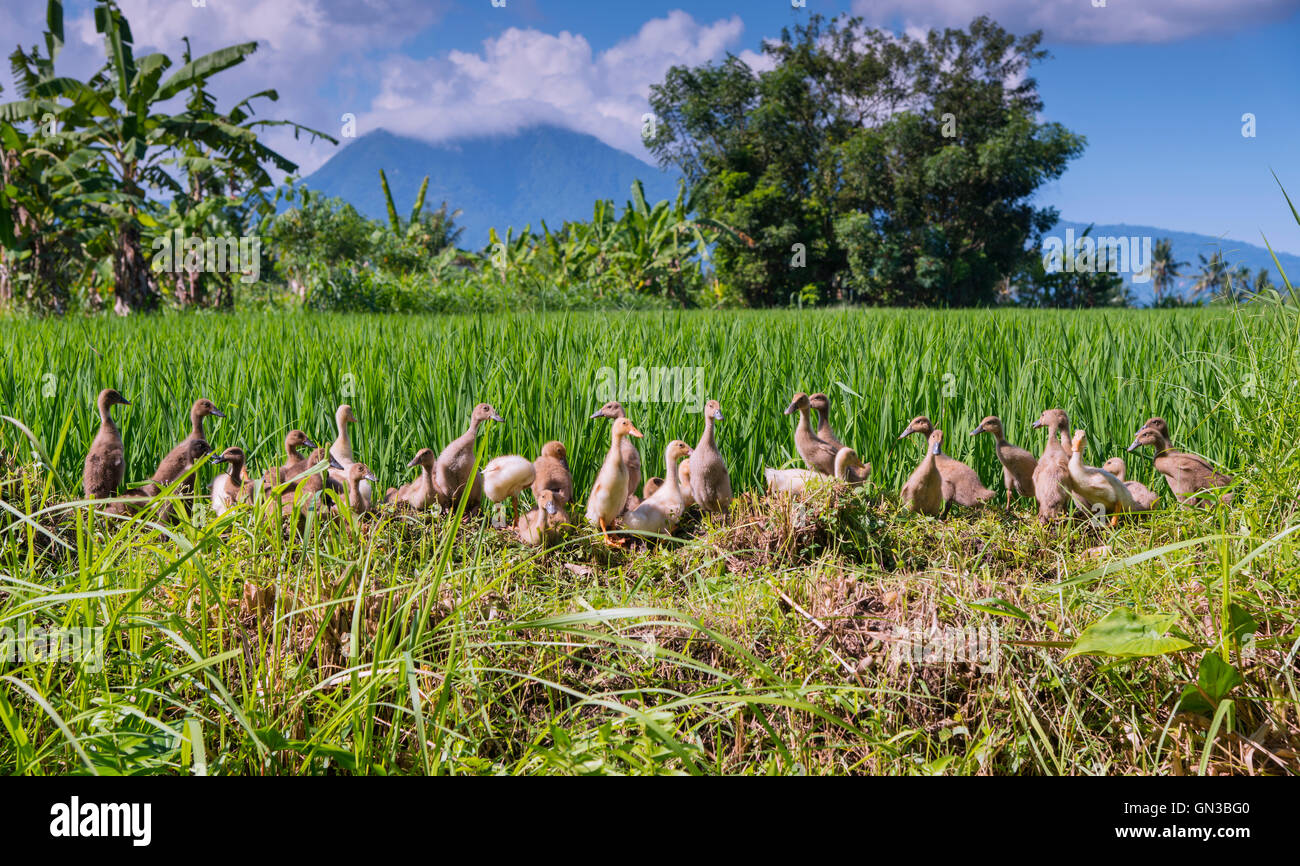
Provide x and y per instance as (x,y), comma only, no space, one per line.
(198,449)
(1155,422)
(297,439)
(936,441)
(555,450)
(1115,466)
(358,472)
(204,407)
(484,412)
(713,409)
(991,424)
(1079,443)
(1053,419)
(109,397)
(612,409)
(345,415)
(546,501)
(424,457)
(1149,436)
(919,424)
(234,458)
(625,427)
(677,449)
(821,403)
(798,403)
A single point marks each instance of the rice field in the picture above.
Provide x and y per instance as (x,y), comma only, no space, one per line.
(759,643)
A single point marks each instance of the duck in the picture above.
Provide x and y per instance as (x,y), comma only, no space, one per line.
(455,464)
(353,477)
(1051,478)
(609,495)
(542,525)
(1018,465)
(800,480)
(659,513)
(926,492)
(341,451)
(551,469)
(1146,500)
(420,493)
(967,489)
(307,496)
(174,467)
(230,488)
(202,408)
(631,457)
(858,472)
(1104,493)
(105,463)
(1188,475)
(817,453)
(506,477)
(654,483)
(710,483)
(294,464)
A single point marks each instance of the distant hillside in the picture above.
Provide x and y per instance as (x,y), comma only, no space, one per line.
(1187,248)
(499,181)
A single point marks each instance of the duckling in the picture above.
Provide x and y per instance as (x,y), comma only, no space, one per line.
(552,471)
(201,409)
(610,493)
(1142,495)
(660,513)
(295,462)
(541,526)
(925,491)
(967,489)
(799,480)
(456,462)
(341,451)
(631,457)
(1018,465)
(354,476)
(307,497)
(506,477)
(710,483)
(858,472)
(818,454)
(420,493)
(1103,491)
(106,460)
(1188,474)
(229,487)
(654,483)
(1051,479)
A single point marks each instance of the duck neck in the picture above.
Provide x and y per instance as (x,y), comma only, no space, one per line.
(106,416)
(842,464)
(354,494)
(342,444)
(706,438)
(804,425)
(670,476)
(824,425)
(196,424)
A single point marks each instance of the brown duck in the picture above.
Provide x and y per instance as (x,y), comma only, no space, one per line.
(1189,475)
(552,473)
(202,408)
(106,461)
(456,463)
(858,471)
(967,489)
(294,463)
(816,452)
(1018,465)
(1051,479)
(423,491)
(925,491)
(613,410)
(710,481)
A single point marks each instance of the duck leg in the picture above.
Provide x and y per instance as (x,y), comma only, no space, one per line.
(605,535)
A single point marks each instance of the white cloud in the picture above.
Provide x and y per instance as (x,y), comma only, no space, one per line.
(1080,20)
(524,77)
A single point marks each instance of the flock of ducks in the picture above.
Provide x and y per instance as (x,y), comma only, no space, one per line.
(1057,479)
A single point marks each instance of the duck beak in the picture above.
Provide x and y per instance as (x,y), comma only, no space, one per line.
(790,409)
(977,431)
(334,464)
(498,418)
(597,413)
(307,443)
(550,507)
(1037,424)
(1134,446)
(415,461)
(370,476)
(218,413)
(637,433)
(906,433)
(220,459)
(126,402)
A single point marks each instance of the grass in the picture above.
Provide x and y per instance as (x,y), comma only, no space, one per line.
(765,643)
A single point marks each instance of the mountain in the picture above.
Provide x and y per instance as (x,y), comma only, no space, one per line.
(1187,247)
(496,181)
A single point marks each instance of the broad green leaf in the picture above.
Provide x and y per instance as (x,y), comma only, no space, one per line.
(1125,634)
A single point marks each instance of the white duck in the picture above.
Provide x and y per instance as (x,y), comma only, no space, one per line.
(341,451)
(1104,493)
(506,477)
(230,487)
(799,480)
(660,513)
(610,493)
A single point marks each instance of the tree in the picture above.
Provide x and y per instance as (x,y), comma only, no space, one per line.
(112,125)
(1164,269)
(897,166)
(1214,280)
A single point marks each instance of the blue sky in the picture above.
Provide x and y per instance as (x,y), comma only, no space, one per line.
(1158,87)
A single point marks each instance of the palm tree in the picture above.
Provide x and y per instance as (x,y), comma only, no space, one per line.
(1164,269)
(1213,277)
